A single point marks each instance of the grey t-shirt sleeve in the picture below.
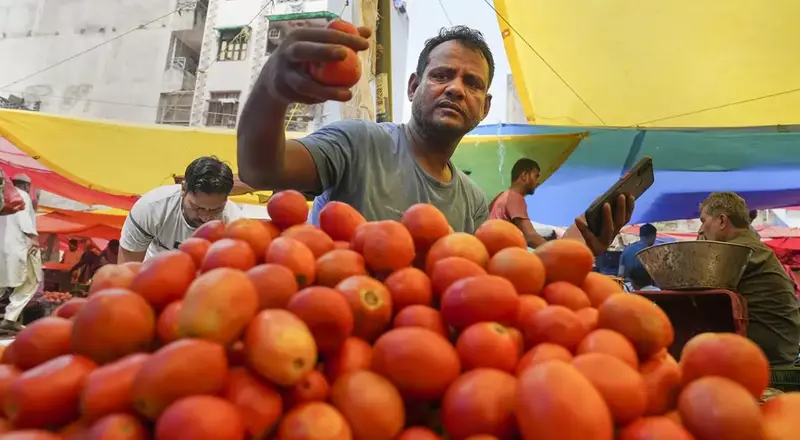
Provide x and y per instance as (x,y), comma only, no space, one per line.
(337,150)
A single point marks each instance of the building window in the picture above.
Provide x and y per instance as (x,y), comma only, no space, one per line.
(174,108)
(233,44)
(181,56)
(274,37)
(299,120)
(271,47)
(200,13)
(223,108)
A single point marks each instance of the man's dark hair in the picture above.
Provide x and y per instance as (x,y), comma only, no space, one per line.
(73,241)
(640,278)
(208,175)
(471,38)
(730,204)
(523,165)
(753,215)
(647,230)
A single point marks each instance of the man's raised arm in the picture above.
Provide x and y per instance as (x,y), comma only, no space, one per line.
(266,159)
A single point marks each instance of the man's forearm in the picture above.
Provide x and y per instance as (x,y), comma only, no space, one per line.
(573,233)
(125,256)
(261,139)
(534,240)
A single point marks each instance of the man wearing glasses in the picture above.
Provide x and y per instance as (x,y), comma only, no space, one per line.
(164,217)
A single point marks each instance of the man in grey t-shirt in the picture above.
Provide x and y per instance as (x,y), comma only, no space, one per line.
(371,167)
(380,169)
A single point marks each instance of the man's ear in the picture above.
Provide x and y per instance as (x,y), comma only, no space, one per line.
(487,105)
(724,221)
(183,188)
(413,83)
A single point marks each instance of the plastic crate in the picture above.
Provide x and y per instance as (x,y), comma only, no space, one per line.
(80,290)
(785,378)
(49,309)
(695,312)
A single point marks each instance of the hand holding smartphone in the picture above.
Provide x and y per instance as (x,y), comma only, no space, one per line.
(634,183)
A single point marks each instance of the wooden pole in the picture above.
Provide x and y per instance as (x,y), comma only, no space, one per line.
(383,63)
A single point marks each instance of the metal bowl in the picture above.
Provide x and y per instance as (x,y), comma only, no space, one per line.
(695,265)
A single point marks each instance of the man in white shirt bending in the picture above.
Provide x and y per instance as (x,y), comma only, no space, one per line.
(164,217)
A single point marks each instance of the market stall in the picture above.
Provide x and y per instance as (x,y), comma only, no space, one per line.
(57,226)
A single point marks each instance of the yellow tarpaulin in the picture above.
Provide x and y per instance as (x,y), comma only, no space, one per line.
(116,158)
(125,159)
(678,63)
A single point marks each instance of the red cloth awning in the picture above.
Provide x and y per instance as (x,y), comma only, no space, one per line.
(14,160)
(787,249)
(784,243)
(777,232)
(678,236)
(765,232)
(80,224)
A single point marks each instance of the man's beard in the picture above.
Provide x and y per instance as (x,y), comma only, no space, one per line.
(192,222)
(195,223)
(432,130)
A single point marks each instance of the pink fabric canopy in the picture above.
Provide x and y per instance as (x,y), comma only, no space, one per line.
(763,231)
(14,161)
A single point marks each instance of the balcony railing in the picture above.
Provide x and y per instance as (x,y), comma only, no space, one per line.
(191,15)
(178,63)
(183,63)
(181,74)
(174,114)
(16,103)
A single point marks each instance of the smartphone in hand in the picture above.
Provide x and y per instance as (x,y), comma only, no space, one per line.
(634,183)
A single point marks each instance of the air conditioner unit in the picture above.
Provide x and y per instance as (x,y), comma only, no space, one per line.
(274,33)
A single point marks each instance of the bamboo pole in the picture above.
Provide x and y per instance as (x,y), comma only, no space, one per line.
(383,68)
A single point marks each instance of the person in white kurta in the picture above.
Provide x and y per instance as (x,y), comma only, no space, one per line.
(20,262)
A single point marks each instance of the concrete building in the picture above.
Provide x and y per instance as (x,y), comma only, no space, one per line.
(515,114)
(240,35)
(182,62)
(87,58)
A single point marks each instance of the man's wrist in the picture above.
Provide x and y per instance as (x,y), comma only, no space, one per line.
(263,91)
(268,99)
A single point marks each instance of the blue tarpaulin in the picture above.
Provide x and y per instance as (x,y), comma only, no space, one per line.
(762,164)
